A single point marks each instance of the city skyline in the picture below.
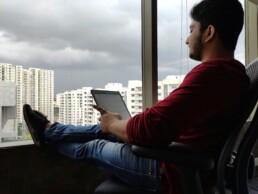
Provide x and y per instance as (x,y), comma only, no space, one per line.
(109,85)
(75,107)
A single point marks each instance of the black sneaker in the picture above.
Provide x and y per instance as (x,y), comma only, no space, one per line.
(36,123)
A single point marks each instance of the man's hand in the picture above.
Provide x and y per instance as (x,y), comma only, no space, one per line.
(112,123)
(107,118)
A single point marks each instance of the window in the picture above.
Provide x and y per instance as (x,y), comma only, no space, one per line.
(66,47)
(72,46)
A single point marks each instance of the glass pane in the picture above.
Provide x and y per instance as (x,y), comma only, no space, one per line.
(64,47)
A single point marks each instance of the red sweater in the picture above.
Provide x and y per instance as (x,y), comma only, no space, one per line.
(199,113)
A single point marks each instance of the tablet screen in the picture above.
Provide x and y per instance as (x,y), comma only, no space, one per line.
(111,101)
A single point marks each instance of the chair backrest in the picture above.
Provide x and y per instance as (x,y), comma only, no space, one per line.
(249,139)
(246,109)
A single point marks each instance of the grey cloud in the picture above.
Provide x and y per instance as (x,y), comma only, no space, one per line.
(79,23)
(61,33)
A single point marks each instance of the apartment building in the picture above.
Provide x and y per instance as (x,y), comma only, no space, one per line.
(8,113)
(70,109)
(134,93)
(13,73)
(89,115)
(40,90)
(134,97)
(34,86)
(75,106)
(169,84)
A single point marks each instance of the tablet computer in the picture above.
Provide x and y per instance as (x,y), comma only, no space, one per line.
(111,101)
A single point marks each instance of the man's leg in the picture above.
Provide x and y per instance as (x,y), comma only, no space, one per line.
(113,157)
(90,145)
(75,134)
(39,127)
(117,159)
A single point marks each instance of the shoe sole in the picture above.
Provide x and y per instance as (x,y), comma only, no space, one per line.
(32,131)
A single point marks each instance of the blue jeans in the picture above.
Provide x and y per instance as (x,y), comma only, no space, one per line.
(89,144)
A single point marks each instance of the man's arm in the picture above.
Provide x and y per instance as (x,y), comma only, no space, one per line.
(112,123)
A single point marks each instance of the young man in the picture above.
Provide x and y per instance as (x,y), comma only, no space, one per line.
(199,112)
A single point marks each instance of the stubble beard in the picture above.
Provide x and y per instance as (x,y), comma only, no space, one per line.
(197,50)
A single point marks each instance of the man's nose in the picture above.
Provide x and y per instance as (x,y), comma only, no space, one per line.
(187,41)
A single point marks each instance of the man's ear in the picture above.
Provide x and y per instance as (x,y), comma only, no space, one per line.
(209,33)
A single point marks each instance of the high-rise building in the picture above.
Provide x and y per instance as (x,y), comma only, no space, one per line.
(89,114)
(134,97)
(8,111)
(134,93)
(75,106)
(169,84)
(39,91)
(33,86)
(69,101)
(13,73)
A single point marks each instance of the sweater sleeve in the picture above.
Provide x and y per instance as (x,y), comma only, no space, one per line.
(201,95)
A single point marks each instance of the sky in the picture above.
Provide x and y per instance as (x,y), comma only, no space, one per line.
(89,43)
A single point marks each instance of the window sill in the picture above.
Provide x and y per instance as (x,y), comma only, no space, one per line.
(15,143)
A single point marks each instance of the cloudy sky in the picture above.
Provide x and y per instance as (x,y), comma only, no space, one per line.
(92,42)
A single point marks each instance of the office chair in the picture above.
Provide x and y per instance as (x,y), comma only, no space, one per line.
(190,161)
(243,162)
(225,163)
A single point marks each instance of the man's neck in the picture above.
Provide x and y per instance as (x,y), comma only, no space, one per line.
(215,53)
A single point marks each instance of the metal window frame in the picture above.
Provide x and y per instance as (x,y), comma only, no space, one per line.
(149,53)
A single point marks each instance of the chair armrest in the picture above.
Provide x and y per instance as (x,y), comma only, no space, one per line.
(178,154)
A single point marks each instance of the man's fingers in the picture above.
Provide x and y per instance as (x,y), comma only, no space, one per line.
(100,109)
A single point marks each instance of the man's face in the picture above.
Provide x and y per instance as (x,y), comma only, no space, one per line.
(194,41)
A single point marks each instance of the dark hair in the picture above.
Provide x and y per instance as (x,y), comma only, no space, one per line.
(227,16)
